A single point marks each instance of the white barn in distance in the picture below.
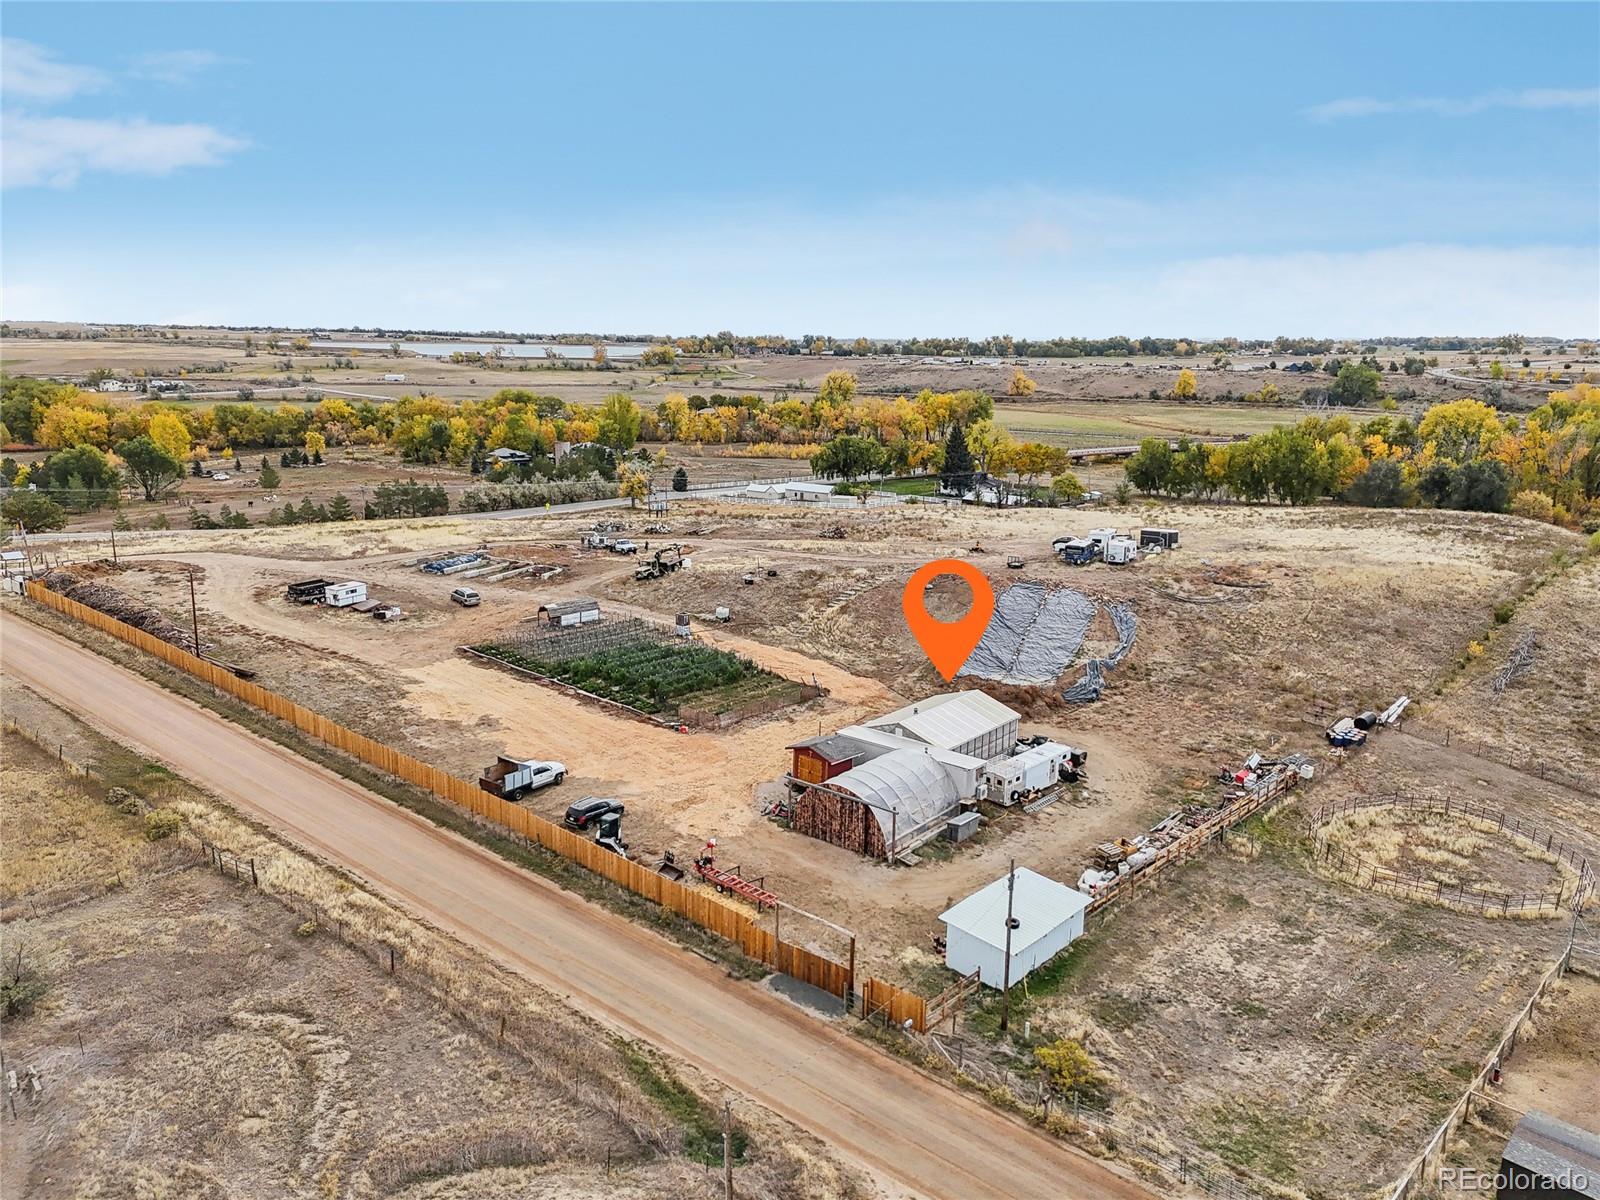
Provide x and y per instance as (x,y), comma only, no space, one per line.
(1048,915)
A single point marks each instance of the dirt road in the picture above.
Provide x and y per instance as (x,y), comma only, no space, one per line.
(911,1132)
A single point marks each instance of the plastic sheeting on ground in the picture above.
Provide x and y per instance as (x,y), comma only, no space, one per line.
(1094,674)
(1034,635)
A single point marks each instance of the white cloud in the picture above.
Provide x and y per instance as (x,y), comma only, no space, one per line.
(1531,99)
(55,151)
(175,66)
(30,72)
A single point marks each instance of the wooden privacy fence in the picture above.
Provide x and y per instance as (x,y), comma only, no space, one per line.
(895,1004)
(700,907)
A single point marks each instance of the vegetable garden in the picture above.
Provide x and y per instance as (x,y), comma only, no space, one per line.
(644,666)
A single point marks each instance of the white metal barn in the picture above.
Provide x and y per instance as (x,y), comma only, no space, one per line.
(970,722)
(1049,917)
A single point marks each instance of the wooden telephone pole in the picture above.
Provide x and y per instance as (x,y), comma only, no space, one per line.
(1011,922)
(727,1150)
(194,615)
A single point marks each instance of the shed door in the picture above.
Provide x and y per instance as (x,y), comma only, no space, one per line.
(808,767)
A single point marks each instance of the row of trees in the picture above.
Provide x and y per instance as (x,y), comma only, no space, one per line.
(1462,454)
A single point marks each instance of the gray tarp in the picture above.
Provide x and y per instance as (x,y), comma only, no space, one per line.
(1094,672)
(1034,635)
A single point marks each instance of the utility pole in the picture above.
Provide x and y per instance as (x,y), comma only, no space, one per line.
(194,617)
(1005,987)
(113,546)
(727,1150)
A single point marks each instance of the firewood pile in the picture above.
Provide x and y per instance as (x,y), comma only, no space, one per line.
(835,819)
(115,604)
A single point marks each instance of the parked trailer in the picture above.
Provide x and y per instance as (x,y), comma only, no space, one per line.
(1042,766)
(1167,539)
(309,591)
(1121,550)
(343,595)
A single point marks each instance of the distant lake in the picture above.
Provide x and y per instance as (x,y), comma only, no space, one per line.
(509,349)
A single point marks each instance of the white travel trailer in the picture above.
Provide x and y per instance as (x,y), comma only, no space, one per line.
(343,595)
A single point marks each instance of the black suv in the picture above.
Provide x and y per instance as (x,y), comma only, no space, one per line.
(589,810)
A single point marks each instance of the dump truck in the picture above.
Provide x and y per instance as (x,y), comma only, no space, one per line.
(514,778)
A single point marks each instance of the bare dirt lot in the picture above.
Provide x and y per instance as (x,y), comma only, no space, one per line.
(1258,971)
(194,1037)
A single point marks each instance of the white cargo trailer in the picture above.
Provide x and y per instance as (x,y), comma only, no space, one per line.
(1035,769)
(1120,550)
(343,595)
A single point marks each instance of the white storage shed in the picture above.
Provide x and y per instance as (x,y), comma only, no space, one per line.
(1048,916)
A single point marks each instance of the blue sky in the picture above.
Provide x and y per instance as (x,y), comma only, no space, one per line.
(1195,169)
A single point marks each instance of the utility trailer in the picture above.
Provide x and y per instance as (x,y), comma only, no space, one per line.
(308,591)
(1167,539)
(1120,551)
(705,866)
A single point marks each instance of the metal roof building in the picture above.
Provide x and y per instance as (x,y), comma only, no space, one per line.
(1048,916)
(970,722)
(578,611)
(905,789)
(1550,1159)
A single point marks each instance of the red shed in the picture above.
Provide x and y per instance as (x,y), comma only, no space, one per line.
(819,759)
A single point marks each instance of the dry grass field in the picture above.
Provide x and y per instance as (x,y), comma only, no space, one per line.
(1243,987)
(198,1037)
(1309,1035)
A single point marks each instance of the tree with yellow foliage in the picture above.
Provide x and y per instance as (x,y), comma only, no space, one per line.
(1187,385)
(987,443)
(315,442)
(1460,430)
(168,431)
(67,425)
(633,484)
(1020,384)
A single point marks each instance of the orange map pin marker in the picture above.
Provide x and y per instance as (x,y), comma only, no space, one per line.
(948,644)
